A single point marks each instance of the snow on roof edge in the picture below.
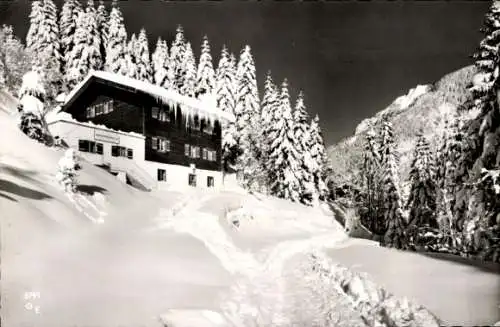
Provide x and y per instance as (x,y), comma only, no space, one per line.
(159,92)
(66,118)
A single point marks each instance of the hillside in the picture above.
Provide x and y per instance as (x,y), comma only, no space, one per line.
(170,258)
(424,107)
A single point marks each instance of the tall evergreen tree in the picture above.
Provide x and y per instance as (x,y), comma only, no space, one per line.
(483,215)
(116,47)
(131,57)
(225,82)
(422,199)
(394,216)
(449,177)
(206,75)
(247,111)
(14,60)
(143,60)
(372,203)
(36,20)
(225,94)
(85,55)
(284,158)
(160,63)
(43,43)
(189,78)
(317,153)
(302,134)
(67,27)
(102,17)
(177,69)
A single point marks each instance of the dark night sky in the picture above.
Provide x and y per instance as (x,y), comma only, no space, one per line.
(351,58)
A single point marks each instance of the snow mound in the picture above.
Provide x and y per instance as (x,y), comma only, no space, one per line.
(192,318)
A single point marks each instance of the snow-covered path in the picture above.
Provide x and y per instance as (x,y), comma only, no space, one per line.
(257,295)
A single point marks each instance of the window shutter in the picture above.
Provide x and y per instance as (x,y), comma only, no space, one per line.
(154,143)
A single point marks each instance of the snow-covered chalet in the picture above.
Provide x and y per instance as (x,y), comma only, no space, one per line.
(145,134)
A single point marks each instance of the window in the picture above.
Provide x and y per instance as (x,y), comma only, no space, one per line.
(209,155)
(192,180)
(90,146)
(210,181)
(162,175)
(160,113)
(120,151)
(207,127)
(186,150)
(195,152)
(99,109)
(154,112)
(161,144)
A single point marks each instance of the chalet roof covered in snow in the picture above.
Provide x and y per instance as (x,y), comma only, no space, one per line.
(188,105)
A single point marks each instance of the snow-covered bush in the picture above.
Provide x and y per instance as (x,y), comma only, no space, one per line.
(66,175)
(31,106)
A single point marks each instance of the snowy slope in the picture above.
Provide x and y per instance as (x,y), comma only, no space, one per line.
(424,107)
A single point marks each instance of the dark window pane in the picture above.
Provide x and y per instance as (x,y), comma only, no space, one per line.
(99,148)
(114,151)
(130,153)
(83,145)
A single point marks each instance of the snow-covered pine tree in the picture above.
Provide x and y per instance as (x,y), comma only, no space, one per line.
(225,95)
(394,216)
(131,57)
(247,112)
(284,159)
(67,27)
(450,178)
(205,77)
(160,61)
(371,205)
(103,28)
(189,79)
(319,159)
(422,199)
(310,194)
(43,43)
(85,55)
(483,214)
(32,97)
(143,59)
(36,19)
(116,47)
(176,68)
(225,83)
(269,112)
(14,59)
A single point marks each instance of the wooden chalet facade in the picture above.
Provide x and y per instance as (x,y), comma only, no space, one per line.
(181,135)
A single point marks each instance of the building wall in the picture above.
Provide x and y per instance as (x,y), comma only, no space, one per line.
(72,132)
(177,175)
(132,113)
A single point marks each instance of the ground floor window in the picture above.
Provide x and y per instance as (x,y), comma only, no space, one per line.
(210,181)
(121,151)
(90,146)
(192,180)
(162,175)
